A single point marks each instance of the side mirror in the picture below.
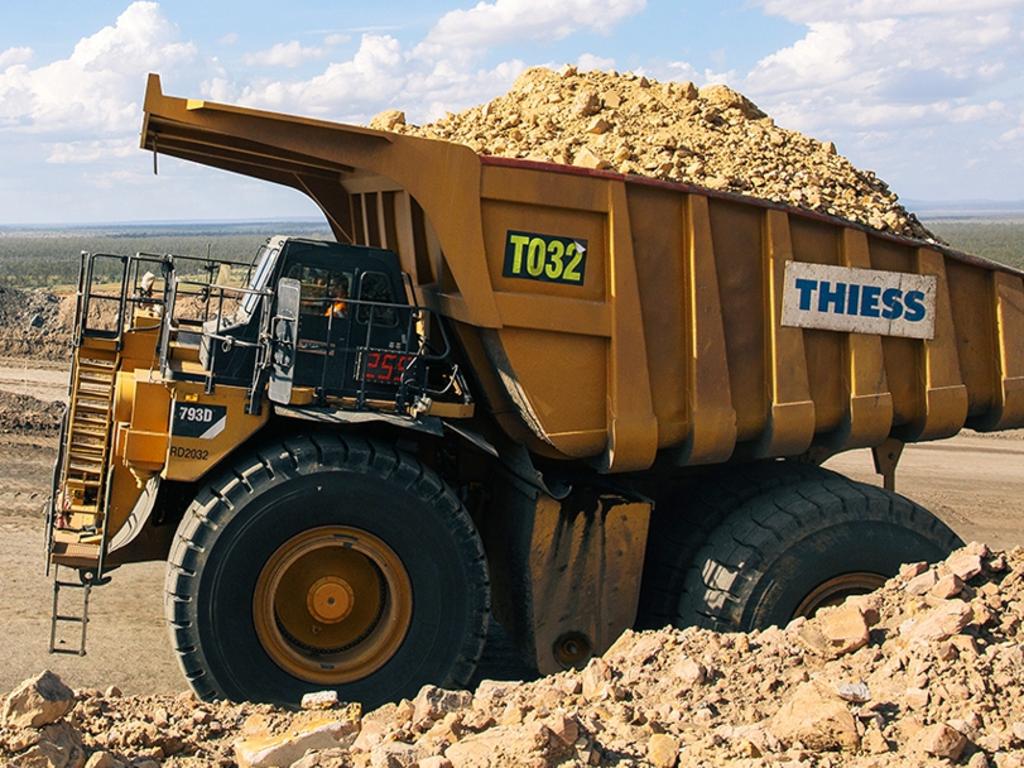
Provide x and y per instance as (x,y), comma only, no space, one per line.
(284,332)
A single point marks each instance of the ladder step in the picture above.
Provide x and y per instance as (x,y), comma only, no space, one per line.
(73,619)
(88,441)
(94,389)
(86,457)
(77,446)
(95,423)
(86,471)
(96,362)
(97,406)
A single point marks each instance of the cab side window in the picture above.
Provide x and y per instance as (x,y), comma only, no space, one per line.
(325,292)
(375,286)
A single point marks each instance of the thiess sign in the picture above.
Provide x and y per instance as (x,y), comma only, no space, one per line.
(859,300)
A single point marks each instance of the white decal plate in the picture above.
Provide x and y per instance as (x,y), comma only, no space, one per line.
(859,300)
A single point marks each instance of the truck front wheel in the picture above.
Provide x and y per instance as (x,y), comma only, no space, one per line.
(798,547)
(326,563)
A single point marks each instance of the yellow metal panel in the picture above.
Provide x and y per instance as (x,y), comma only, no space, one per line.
(657,229)
(737,232)
(870,411)
(146,450)
(712,417)
(1009,303)
(945,396)
(189,458)
(151,407)
(791,420)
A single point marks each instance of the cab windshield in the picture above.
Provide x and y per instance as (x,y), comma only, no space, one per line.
(265,259)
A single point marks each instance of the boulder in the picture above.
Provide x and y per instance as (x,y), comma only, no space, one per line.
(501,746)
(835,632)
(59,746)
(38,701)
(103,759)
(816,719)
(663,750)
(940,740)
(388,120)
(964,564)
(339,729)
(320,700)
(941,622)
(433,703)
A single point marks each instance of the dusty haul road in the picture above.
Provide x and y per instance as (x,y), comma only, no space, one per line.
(975,483)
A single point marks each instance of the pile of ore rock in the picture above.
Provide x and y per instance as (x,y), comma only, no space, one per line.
(712,137)
(927,671)
(35,323)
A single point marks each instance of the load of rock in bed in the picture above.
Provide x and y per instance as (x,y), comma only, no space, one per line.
(712,137)
(927,671)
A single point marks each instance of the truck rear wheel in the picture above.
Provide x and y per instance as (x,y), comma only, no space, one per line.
(326,562)
(798,547)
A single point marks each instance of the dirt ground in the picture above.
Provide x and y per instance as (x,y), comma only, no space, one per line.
(974,482)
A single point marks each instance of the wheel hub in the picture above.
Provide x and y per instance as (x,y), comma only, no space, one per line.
(330,600)
(332,604)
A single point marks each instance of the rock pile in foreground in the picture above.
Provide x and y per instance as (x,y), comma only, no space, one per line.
(712,137)
(927,671)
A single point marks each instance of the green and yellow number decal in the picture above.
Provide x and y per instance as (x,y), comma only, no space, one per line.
(553,259)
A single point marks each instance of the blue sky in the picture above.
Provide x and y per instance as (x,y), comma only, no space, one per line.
(928,93)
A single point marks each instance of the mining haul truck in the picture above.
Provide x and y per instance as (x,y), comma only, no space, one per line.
(560,401)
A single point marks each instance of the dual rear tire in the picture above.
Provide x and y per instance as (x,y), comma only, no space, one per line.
(760,545)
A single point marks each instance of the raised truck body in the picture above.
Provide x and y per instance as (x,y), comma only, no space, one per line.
(583,359)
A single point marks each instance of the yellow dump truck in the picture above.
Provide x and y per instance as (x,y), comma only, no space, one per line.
(566,401)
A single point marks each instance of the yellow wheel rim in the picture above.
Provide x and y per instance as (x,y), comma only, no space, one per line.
(836,590)
(332,605)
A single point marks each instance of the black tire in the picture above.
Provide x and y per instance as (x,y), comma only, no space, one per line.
(284,489)
(686,517)
(760,563)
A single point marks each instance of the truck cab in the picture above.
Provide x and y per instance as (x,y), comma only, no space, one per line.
(353,335)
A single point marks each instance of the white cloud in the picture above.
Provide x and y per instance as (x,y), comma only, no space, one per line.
(98,86)
(336,38)
(380,74)
(12,56)
(1014,134)
(803,11)
(229,39)
(682,71)
(290,54)
(503,21)
(589,61)
(91,151)
(918,63)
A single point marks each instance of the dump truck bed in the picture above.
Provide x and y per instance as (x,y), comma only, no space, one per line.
(628,322)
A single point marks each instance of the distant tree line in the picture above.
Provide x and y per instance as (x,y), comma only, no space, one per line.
(50,259)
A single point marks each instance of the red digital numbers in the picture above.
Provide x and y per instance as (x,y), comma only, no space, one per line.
(388,367)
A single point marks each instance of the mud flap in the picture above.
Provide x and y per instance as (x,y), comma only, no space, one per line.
(565,575)
(285,334)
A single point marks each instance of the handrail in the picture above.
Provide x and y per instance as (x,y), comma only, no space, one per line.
(414,378)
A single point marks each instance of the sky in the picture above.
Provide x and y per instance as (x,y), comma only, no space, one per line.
(927,93)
